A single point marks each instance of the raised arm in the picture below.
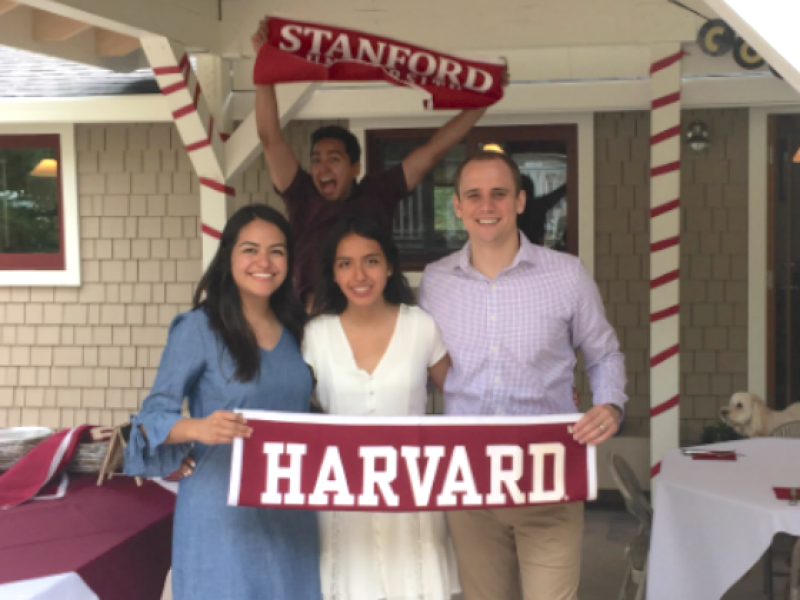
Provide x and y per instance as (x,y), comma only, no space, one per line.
(281,161)
(423,159)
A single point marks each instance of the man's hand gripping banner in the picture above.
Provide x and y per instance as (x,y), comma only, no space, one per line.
(404,464)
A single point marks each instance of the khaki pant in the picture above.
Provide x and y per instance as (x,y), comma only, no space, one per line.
(512,553)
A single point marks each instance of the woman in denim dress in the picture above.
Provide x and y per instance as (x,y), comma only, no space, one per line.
(237,349)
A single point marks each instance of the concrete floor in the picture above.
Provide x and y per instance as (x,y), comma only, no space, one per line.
(607,532)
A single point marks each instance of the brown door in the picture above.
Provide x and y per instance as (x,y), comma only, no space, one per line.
(784,280)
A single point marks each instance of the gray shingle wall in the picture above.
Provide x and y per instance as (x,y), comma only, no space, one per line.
(89,355)
(713,260)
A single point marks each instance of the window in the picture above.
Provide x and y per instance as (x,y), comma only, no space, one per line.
(425,225)
(38,206)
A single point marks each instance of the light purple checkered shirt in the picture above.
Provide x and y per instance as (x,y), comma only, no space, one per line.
(513,340)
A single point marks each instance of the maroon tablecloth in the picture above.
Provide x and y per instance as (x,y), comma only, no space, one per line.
(117,537)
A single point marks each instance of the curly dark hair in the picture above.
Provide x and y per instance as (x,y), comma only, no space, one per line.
(223,304)
(328,298)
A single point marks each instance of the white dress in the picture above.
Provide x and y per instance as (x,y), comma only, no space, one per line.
(380,556)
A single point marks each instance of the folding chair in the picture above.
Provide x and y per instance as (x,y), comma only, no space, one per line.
(788,430)
(637,504)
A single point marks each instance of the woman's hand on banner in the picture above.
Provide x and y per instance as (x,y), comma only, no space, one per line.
(221,427)
(597,425)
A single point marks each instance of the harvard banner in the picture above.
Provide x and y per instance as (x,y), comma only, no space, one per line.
(402,464)
(302,51)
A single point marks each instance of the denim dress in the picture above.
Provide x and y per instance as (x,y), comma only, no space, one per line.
(221,552)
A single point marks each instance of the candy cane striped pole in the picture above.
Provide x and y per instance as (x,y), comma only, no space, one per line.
(665,183)
(196,127)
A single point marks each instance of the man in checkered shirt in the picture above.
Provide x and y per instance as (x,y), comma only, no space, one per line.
(512,314)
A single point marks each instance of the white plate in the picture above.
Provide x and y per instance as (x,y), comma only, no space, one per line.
(18,434)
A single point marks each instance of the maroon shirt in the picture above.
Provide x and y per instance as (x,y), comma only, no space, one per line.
(312,217)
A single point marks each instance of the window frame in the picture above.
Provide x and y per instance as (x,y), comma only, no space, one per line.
(566,133)
(25,269)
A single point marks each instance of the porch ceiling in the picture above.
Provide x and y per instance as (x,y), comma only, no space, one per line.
(105,32)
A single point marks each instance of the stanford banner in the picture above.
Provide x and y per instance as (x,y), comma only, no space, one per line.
(403,464)
(302,51)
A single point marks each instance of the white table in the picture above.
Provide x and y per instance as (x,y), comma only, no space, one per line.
(67,586)
(714,519)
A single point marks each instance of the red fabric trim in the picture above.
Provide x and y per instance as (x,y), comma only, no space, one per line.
(173,70)
(225,136)
(210,231)
(663,314)
(216,186)
(664,244)
(181,85)
(667,168)
(662,64)
(665,278)
(198,145)
(182,112)
(662,356)
(664,406)
(655,470)
(665,135)
(665,100)
(665,208)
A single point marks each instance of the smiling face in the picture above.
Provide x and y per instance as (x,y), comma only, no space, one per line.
(361,270)
(259,260)
(488,203)
(331,169)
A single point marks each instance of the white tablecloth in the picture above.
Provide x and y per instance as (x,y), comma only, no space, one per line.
(714,519)
(67,586)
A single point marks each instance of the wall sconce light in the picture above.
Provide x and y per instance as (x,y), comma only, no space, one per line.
(797,156)
(697,136)
(47,167)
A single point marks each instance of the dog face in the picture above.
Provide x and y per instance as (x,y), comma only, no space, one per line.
(744,414)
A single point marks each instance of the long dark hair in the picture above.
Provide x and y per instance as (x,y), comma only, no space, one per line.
(328,298)
(223,304)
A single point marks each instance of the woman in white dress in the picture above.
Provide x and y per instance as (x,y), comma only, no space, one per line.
(372,352)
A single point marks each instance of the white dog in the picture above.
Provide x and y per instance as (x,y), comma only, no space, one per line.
(750,416)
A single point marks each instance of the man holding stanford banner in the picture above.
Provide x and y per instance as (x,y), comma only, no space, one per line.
(316,201)
(511,315)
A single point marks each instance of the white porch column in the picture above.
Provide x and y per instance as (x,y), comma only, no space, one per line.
(195,124)
(665,223)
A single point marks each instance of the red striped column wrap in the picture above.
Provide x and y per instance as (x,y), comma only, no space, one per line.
(665,183)
(198,132)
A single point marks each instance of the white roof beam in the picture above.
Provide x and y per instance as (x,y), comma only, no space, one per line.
(110,43)
(49,27)
(770,27)
(141,18)
(7,5)
(16,29)
(243,146)
(387,102)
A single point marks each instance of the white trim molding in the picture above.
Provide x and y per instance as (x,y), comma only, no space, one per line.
(143,108)
(71,275)
(585,124)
